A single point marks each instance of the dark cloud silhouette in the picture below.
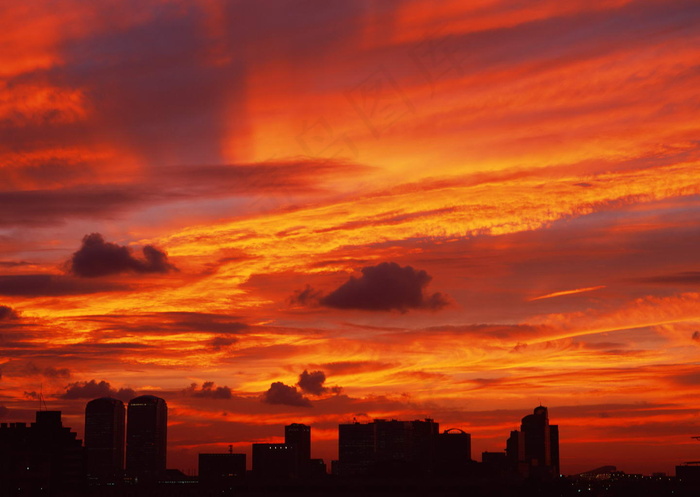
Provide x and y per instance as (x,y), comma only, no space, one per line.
(208,390)
(200,321)
(169,322)
(696,336)
(42,207)
(308,297)
(7,313)
(281,394)
(35,285)
(386,287)
(313,383)
(46,207)
(92,390)
(218,343)
(349,367)
(99,258)
(519,347)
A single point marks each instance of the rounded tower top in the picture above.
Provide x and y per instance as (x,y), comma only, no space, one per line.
(540,410)
(146,400)
(105,401)
(455,430)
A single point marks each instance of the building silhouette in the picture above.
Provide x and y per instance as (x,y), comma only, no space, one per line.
(496,464)
(387,448)
(298,436)
(534,450)
(383,457)
(221,470)
(146,437)
(453,453)
(274,461)
(105,439)
(356,449)
(45,458)
(689,472)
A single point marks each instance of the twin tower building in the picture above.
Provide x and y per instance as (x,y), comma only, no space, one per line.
(144,433)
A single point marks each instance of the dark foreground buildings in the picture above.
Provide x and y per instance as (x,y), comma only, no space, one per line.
(146,438)
(380,458)
(44,458)
(274,461)
(453,454)
(534,450)
(385,447)
(290,460)
(220,471)
(104,439)
(298,436)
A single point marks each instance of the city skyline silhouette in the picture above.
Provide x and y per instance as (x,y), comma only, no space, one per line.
(115,448)
(125,454)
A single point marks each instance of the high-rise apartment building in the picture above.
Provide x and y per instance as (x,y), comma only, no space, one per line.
(105,439)
(299,436)
(534,450)
(387,447)
(146,437)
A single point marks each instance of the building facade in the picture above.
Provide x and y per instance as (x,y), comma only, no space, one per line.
(146,437)
(45,458)
(105,439)
(221,470)
(453,454)
(275,461)
(533,451)
(299,436)
(387,447)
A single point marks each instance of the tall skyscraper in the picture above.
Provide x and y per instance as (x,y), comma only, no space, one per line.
(104,439)
(146,437)
(299,436)
(534,450)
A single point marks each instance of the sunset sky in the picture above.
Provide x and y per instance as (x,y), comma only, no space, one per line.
(311,211)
